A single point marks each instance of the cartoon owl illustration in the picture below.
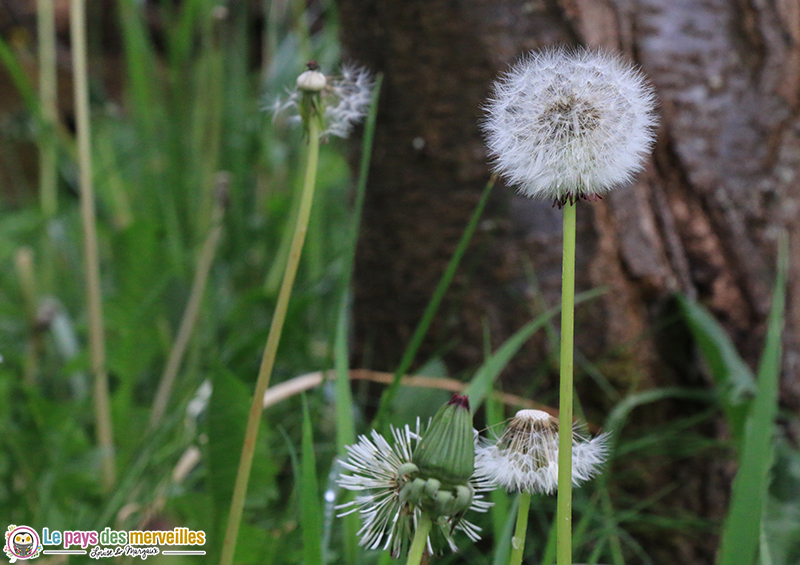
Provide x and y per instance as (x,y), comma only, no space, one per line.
(23,544)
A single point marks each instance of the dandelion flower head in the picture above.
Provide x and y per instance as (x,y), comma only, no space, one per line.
(344,99)
(378,471)
(525,458)
(569,124)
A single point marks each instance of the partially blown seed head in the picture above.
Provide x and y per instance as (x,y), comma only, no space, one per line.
(525,458)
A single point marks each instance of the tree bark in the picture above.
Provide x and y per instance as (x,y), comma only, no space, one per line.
(702,220)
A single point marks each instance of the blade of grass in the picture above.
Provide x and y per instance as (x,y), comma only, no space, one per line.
(431,308)
(741,532)
(28,94)
(48,100)
(502,545)
(345,428)
(732,376)
(192,310)
(481,383)
(495,415)
(310,510)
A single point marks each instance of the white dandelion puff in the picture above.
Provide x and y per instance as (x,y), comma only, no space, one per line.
(378,471)
(525,458)
(570,124)
(345,98)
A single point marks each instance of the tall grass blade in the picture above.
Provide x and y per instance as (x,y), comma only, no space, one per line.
(484,378)
(310,510)
(502,546)
(345,427)
(431,308)
(742,529)
(733,377)
(48,97)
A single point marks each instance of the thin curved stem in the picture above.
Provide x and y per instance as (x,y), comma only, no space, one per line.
(420,541)
(518,541)
(271,349)
(564,508)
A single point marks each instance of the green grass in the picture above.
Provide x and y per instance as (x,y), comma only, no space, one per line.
(192,106)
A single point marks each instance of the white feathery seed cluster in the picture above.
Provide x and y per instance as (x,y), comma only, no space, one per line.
(345,98)
(376,472)
(569,124)
(525,458)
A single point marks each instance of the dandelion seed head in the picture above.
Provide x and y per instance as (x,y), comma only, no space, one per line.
(525,457)
(569,124)
(344,99)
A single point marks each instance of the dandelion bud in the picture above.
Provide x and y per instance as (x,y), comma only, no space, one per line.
(446,452)
(568,124)
(525,458)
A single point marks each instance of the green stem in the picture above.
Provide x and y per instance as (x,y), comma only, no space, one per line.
(420,541)
(268,360)
(97,349)
(564,509)
(518,541)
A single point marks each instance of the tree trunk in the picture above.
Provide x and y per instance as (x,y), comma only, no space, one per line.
(702,220)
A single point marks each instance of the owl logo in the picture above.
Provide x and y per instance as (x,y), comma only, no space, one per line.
(22,542)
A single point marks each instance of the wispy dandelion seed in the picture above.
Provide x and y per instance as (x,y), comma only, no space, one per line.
(344,99)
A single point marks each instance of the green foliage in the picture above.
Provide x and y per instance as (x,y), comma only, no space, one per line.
(734,379)
(743,529)
(762,519)
(309,497)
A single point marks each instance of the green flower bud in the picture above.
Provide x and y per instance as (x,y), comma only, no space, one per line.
(446,451)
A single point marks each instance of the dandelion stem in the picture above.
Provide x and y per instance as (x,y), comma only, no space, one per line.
(97,350)
(420,540)
(271,349)
(564,508)
(518,541)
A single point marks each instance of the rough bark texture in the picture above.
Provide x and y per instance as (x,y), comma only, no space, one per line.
(702,220)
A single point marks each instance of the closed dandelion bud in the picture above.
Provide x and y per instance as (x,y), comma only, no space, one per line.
(446,451)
